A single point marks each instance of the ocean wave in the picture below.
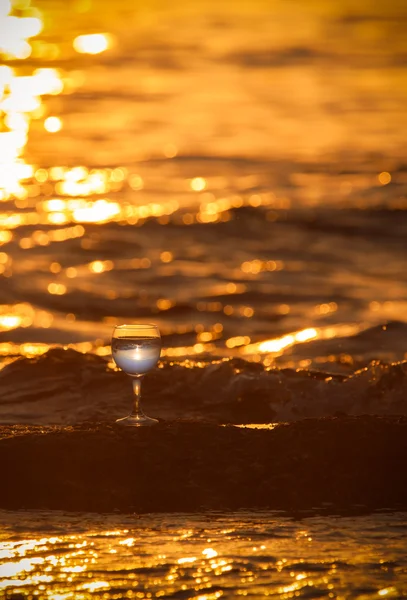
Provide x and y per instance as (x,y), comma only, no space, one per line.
(64,386)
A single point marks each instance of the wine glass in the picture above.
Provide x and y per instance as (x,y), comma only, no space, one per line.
(136,350)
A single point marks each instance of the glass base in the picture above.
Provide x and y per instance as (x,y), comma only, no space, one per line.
(137,421)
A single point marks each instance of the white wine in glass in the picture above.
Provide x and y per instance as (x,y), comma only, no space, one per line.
(136,350)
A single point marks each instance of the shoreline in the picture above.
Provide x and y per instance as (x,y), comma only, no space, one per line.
(337,465)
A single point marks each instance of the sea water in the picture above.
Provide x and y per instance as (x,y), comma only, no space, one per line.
(239,197)
(207,556)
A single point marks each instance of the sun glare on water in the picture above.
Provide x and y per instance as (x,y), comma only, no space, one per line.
(21,96)
(53,124)
(48,204)
(16,31)
(94,43)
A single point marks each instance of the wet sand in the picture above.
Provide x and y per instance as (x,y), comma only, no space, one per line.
(336,465)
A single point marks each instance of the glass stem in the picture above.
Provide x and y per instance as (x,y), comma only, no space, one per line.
(137,410)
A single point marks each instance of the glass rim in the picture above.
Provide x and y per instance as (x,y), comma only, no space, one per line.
(137,326)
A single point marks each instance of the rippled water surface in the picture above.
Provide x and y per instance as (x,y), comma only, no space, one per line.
(234,172)
(61,556)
